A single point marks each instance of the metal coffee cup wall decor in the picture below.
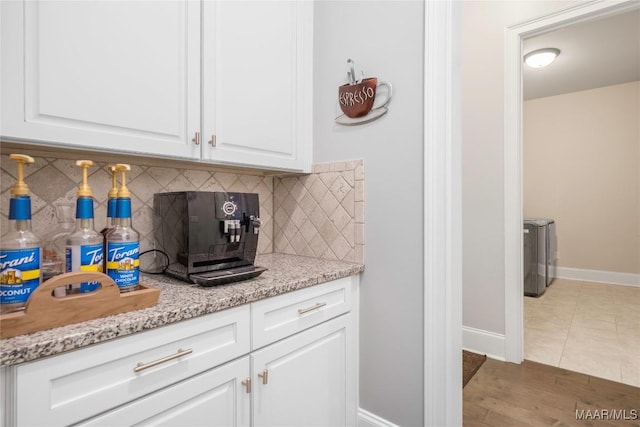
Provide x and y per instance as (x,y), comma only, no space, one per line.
(357,98)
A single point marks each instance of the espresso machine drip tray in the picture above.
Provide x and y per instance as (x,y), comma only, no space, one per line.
(229,275)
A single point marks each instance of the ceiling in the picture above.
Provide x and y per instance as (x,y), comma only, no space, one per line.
(596,53)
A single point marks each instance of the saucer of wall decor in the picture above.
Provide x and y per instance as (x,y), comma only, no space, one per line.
(372,115)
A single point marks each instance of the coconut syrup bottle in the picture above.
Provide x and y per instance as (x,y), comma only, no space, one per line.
(123,246)
(111,209)
(20,249)
(84,248)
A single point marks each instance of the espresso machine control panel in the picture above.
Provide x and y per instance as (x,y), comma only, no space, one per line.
(233,221)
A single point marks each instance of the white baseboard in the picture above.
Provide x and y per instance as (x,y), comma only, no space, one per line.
(367,419)
(484,342)
(612,277)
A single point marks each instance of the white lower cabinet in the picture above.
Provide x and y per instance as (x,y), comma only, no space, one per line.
(214,398)
(222,369)
(76,386)
(306,380)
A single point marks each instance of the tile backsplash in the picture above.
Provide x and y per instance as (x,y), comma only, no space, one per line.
(52,181)
(319,214)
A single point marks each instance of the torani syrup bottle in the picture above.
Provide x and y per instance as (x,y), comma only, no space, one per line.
(20,249)
(112,197)
(84,248)
(123,246)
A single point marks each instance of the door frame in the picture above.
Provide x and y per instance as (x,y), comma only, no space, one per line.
(442,214)
(514,286)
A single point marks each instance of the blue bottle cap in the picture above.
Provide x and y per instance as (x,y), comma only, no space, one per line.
(111,208)
(20,208)
(84,208)
(123,208)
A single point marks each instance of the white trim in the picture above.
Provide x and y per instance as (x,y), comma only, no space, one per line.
(599,276)
(514,328)
(483,342)
(514,286)
(367,419)
(442,215)
(355,319)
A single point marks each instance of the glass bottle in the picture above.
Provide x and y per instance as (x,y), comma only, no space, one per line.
(123,245)
(53,251)
(84,247)
(20,248)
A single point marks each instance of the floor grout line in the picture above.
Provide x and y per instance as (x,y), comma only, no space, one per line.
(573,315)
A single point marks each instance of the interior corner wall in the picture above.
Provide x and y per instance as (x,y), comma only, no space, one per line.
(483,112)
(581,167)
(385,39)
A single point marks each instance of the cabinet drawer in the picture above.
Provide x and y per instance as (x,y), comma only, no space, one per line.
(72,387)
(213,398)
(279,317)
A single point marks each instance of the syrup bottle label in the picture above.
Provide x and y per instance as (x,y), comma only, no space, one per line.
(85,258)
(123,265)
(19,274)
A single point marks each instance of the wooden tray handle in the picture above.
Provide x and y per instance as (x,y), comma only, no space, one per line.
(42,298)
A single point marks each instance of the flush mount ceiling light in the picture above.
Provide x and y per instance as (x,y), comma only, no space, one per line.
(541,57)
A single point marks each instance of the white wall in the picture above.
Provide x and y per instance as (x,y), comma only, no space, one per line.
(581,167)
(483,82)
(385,38)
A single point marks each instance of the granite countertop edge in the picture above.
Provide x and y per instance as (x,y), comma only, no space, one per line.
(179,301)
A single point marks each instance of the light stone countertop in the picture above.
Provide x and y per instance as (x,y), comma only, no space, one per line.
(179,301)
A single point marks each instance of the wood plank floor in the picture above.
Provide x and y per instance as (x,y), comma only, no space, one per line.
(533,394)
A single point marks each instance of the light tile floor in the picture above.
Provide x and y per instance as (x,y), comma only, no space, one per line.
(593,328)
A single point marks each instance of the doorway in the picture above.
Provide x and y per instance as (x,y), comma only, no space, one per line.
(575,124)
(514,325)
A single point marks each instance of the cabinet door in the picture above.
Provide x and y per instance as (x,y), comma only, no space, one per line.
(111,75)
(310,378)
(214,398)
(257,83)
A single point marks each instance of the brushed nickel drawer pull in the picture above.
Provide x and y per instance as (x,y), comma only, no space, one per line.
(265,376)
(302,311)
(196,138)
(142,366)
(247,384)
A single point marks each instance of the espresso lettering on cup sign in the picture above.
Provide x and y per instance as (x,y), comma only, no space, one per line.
(356,100)
(359,96)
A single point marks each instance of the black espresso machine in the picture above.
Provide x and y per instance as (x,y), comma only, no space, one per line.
(211,238)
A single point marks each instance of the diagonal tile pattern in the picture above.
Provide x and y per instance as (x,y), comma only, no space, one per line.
(321,214)
(52,181)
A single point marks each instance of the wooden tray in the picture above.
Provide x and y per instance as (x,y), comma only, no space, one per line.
(44,311)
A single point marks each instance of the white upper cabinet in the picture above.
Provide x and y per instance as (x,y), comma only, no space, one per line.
(116,76)
(257,82)
(221,81)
